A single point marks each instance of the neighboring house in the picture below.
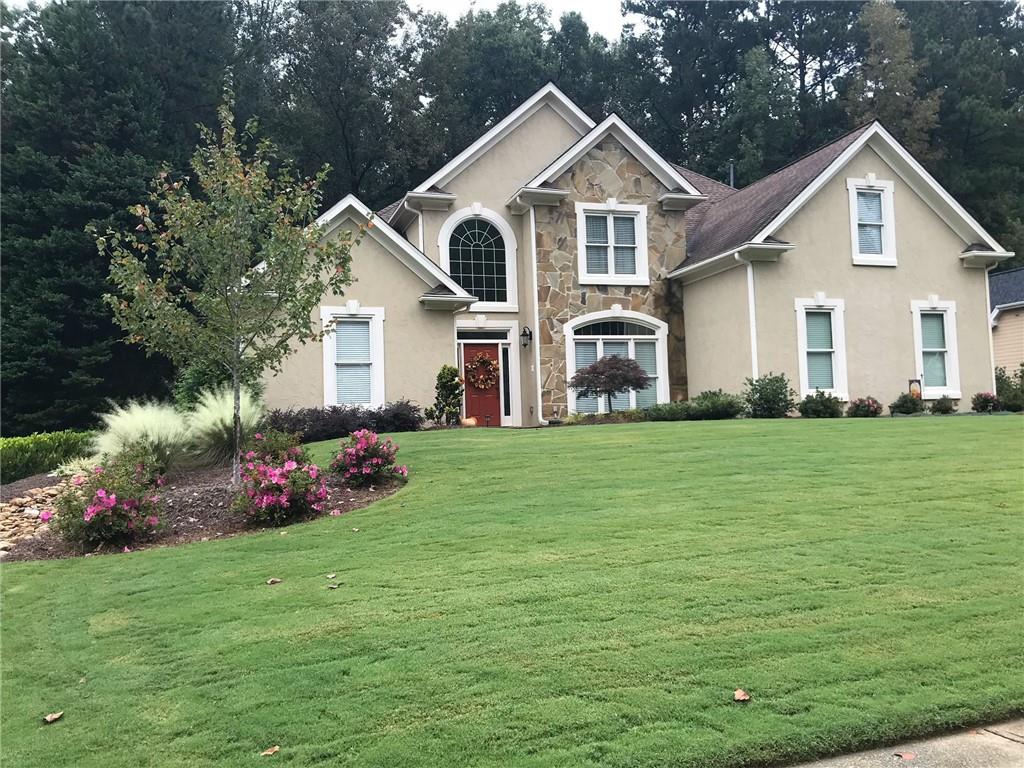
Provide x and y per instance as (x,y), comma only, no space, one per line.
(552,241)
(1006,297)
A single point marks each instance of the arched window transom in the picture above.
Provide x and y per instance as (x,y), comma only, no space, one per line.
(477,260)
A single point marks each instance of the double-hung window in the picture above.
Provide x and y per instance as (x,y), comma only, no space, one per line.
(935,348)
(872,225)
(821,343)
(612,243)
(353,356)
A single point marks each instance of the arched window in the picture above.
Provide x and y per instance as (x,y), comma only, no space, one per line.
(477,247)
(624,334)
(476,256)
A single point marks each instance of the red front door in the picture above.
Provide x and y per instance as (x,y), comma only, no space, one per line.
(483,404)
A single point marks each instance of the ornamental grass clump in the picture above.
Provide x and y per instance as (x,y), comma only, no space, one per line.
(114,503)
(278,493)
(158,427)
(366,458)
(211,424)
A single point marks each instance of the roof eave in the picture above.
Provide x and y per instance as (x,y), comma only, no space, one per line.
(525,197)
(984,259)
(447,302)
(742,254)
(680,201)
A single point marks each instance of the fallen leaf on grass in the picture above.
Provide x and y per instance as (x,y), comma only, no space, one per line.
(355,530)
(905,755)
(273,581)
(740,695)
(332,586)
(53,717)
(331,575)
(270,751)
(335,512)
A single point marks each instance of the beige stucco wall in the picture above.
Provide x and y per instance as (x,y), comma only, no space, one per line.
(717,332)
(607,171)
(495,176)
(1008,339)
(879,328)
(417,341)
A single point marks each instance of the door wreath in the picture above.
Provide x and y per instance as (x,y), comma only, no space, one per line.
(482,371)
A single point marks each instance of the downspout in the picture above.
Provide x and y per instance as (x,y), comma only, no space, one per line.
(536,317)
(988,315)
(419,223)
(752,312)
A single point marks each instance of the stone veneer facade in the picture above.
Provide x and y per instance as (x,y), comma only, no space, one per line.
(607,171)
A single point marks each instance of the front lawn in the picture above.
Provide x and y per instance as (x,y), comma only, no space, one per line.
(586,596)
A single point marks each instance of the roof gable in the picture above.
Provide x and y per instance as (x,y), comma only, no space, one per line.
(436,278)
(755,213)
(549,95)
(613,125)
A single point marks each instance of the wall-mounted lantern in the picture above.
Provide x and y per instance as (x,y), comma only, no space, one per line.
(526,336)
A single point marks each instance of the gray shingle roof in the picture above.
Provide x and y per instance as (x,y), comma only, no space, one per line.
(1006,287)
(735,218)
(389,210)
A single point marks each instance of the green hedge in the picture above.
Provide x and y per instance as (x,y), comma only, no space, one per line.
(26,456)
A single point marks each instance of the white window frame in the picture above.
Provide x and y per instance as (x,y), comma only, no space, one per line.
(353,311)
(837,308)
(477,211)
(610,208)
(948,310)
(887,258)
(660,339)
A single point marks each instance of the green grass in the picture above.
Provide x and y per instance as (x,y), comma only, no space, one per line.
(585,596)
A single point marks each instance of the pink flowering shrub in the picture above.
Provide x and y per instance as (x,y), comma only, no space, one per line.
(277,492)
(366,458)
(116,503)
(275,446)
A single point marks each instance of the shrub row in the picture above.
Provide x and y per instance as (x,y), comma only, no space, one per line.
(26,456)
(333,422)
(710,405)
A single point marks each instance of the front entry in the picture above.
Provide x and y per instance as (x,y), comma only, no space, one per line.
(483,384)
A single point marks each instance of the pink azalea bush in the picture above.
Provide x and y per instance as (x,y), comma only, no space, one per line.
(117,502)
(276,446)
(366,458)
(277,492)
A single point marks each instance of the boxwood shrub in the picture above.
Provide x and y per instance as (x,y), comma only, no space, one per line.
(26,456)
(820,405)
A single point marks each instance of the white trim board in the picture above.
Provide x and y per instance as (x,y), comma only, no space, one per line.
(549,95)
(639,148)
(429,272)
(886,190)
(353,311)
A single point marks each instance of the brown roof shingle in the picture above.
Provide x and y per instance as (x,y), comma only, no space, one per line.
(727,222)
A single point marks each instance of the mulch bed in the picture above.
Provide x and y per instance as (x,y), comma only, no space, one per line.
(196,507)
(10,491)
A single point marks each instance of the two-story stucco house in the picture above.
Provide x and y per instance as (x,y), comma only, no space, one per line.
(554,240)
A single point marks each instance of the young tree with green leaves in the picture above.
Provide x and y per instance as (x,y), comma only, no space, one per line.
(228,277)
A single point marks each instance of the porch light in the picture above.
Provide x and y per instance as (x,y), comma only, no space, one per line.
(526,336)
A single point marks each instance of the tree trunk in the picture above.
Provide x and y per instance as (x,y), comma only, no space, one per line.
(236,429)
(609,396)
